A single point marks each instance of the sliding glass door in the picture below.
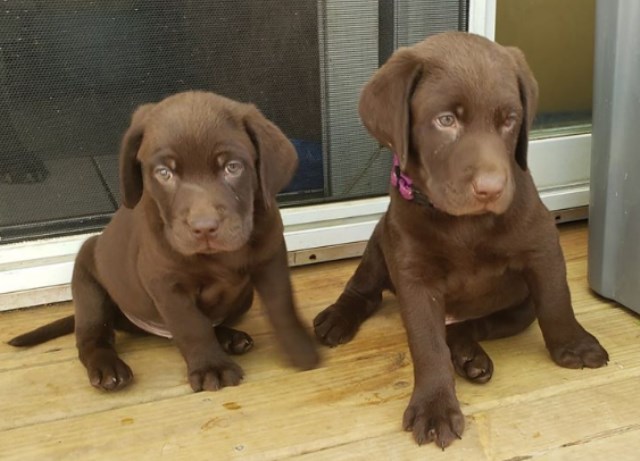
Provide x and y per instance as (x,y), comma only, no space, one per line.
(72,72)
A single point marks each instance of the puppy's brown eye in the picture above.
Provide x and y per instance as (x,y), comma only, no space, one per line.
(446,120)
(510,121)
(234,168)
(163,173)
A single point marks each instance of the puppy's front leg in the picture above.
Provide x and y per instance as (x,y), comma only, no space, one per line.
(433,413)
(94,322)
(570,345)
(208,367)
(271,280)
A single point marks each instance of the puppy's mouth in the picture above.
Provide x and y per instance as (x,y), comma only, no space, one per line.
(226,239)
(214,245)
(474,209)
(496,208)
(471,207)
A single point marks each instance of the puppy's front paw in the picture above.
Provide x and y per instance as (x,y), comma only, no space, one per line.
(107,371)
(334,326)
(434,418)
(302,350)
(585,351)
(215,376)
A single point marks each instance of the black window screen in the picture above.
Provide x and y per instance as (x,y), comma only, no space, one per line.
(72,72)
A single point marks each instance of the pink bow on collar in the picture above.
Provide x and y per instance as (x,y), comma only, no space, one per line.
(404,184)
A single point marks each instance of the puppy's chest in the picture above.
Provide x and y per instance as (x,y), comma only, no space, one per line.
(220,291)
(474,272)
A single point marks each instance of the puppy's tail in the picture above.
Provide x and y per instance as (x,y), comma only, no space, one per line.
(46,332)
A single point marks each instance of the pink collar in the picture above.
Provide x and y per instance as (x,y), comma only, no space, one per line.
(404,184)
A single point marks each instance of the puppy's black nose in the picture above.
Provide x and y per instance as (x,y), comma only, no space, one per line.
(204,227)
(488,187)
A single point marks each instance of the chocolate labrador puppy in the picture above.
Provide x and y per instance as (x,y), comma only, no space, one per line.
(466,238)
(199,229)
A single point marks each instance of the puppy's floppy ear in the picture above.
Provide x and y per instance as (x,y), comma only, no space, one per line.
(130,171)
(277,158)
(385,102)
(528,88)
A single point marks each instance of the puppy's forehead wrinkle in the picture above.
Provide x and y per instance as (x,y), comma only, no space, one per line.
(194,118)
(484,80)
(194,187)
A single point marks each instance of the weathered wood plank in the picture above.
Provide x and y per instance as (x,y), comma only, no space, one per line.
(350,408)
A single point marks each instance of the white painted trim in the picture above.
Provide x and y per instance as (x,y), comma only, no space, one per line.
(24,252)
(305,215)
(561,161)
(562,198)
(43,273)
(482,18)
(35,297)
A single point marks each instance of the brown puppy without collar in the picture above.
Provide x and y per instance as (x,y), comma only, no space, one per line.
(199,229)
(478,246)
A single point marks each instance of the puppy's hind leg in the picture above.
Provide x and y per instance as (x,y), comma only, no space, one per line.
(469,358)
(362,296)
(236,342)
(95,314)
(233,341)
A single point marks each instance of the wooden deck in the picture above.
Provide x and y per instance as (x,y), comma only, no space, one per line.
(348,409)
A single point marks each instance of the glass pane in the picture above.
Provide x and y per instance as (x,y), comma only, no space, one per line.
(71,74)
(558,38)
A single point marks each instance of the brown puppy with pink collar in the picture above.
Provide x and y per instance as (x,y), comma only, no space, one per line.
(466,236)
